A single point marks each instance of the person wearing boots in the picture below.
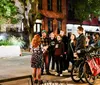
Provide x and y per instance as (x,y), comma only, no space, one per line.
(45,45)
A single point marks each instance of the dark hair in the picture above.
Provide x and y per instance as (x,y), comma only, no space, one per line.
(97,36)
(74,39)
(80,28)
(88,37)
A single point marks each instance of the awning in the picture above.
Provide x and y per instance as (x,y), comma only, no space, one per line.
(51,14)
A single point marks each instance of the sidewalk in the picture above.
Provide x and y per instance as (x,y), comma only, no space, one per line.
(20,66)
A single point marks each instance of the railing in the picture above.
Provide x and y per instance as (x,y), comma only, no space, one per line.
(17,78)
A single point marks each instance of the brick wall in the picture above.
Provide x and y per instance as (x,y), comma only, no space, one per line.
(54,15)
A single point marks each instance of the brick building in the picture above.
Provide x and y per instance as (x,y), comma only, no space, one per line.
(54,12)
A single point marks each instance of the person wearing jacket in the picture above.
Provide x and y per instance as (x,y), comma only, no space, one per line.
(45,45)
(65,41)
(81,41)
(51,48)
(59,51)
(71,49)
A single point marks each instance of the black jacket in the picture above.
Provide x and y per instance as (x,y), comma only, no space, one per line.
(80,44)
(65,41)
(52,43)
(59,48)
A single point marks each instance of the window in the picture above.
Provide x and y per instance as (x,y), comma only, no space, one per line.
(59,6)
(71,11)
(49,4)
(37,27)
(39,4)
(59,25)
(50,25)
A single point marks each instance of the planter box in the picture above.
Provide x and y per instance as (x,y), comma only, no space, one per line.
(10,51)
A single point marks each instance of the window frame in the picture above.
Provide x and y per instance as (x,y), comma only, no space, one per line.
(49,5)
(36,29)
(59,5)
(40,4)
(50,28)
(59,25)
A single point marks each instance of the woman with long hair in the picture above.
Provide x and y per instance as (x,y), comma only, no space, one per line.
(37,58)
(59,51)
(71,49)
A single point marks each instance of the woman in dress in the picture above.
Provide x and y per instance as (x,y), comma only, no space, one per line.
(37,58)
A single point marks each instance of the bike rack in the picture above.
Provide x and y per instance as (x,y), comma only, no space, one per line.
(17,78)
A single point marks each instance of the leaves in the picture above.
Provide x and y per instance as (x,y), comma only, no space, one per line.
(2,20)
(83,8)
(17,41)
(7,9)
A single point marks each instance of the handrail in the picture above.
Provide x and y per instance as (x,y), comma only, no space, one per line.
(17,78)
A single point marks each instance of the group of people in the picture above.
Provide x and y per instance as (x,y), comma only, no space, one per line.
(59,49)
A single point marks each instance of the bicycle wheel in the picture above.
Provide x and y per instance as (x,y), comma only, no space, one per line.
(75,73)
(81,72)
(88,75)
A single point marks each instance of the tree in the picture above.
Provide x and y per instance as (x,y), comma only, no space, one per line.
(8,12)
(30,15)
(84,8)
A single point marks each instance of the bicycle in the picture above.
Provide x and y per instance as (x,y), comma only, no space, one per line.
(77,70)
(90,68)
(81,68)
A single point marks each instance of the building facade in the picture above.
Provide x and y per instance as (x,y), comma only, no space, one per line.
(54,15)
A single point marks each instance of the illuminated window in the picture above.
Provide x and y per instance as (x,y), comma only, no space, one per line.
(37,27)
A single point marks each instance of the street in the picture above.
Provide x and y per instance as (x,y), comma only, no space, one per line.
(19,66)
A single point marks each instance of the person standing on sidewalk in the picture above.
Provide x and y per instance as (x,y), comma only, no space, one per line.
(59,51)
(65,41)
(51,50)
(71,49)
(81,41)
(37,58)
(45,45)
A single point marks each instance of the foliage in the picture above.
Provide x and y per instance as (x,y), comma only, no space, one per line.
(8,10)
(17,41)
(13,41)
(83,8)
(5,43)
(31,8)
